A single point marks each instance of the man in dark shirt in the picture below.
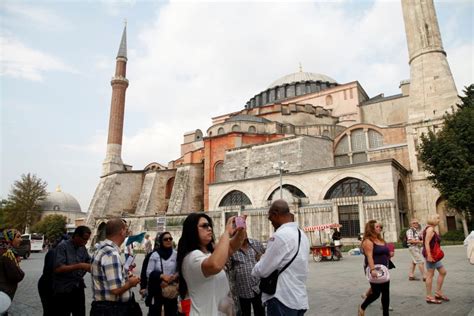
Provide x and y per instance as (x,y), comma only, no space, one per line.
(70,265)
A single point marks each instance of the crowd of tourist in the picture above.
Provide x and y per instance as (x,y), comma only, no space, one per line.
(233,275)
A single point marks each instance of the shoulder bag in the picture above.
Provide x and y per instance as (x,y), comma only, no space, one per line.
(170,290)
(436,252)
(382,274)
(268,285)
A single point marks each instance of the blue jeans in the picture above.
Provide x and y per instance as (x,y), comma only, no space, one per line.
(277,308)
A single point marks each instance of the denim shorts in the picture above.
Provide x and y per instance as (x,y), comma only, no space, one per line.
(433,265)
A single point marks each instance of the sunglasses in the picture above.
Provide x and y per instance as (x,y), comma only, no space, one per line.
(168,239)
(205,226)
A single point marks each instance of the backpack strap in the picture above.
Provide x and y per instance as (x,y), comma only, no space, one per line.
(298,250)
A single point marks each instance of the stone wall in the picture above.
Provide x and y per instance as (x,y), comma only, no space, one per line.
(389,112)
(153,193)
(115,194)
(187,194)
(299,153)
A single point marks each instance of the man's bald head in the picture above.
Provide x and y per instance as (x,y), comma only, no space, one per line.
(279,207)
(114,227)
(279,213)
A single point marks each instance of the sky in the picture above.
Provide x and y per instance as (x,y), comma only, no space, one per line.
(188,61)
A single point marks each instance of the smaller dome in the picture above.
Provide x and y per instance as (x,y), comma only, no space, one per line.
(300,76)
(60,201)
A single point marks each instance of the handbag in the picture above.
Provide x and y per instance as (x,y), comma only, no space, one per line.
(134,308)
(268,285)
(436,252)
(383,275)
(170,290)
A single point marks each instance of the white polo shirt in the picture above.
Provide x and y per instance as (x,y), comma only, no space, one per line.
(291,286)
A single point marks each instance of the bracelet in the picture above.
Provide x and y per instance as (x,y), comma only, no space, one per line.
(372,269)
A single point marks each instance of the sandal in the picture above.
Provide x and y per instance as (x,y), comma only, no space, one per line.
(432,300)
(442,297)
(413,278)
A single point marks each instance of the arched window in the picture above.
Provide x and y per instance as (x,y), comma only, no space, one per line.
(218,171)
(375,139)
(402,202)
(220,131)
(349,187)
(234,198)
(329,100)
(169,188)
(290,188)
(252,129)
(236,128)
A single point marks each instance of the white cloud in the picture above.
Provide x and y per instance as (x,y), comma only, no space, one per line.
(20,61)
(461,60)
(117,7)
(197,60)
(34,15)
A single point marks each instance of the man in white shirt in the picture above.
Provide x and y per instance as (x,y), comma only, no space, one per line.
(291,297)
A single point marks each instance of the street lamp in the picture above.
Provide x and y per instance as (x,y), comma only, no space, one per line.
(280,167)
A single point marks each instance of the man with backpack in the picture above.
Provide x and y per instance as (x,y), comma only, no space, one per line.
(414,241)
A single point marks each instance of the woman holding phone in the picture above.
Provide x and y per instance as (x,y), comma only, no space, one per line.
(201,262)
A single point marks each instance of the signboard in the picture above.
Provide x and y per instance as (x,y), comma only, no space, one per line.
(161,224)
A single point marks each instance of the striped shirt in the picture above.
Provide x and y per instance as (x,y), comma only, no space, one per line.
(243,262)
(108,274)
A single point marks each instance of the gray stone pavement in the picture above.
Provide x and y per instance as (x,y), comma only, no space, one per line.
(334,288)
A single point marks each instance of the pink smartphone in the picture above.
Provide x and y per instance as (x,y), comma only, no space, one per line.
(240,222)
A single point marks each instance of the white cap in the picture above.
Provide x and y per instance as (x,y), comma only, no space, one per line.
(5,302)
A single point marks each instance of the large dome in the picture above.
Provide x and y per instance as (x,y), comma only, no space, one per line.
(60,201)
(300,76)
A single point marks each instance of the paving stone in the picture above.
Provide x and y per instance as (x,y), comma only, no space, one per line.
(334,288)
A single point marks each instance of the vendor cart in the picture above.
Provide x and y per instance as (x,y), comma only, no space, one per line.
(323,251)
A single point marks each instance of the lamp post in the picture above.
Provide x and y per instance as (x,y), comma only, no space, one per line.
(279,166)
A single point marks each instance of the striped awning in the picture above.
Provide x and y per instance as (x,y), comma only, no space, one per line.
(321,227)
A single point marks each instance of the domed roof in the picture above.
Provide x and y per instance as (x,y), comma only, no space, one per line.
(300,76)
(60,201)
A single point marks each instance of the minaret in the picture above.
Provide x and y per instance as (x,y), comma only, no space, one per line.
(432,92)
(119,82)
(432,88)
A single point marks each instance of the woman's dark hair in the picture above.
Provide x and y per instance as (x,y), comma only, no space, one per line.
(189,242)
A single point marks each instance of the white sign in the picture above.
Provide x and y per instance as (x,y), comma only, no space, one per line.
(161,224)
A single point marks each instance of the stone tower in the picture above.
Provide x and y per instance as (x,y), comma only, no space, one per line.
(432,93)
(119,82)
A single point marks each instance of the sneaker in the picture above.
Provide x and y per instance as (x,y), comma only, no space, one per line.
(390,308)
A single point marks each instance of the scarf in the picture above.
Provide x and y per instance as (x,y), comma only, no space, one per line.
(6,249)
(164,253)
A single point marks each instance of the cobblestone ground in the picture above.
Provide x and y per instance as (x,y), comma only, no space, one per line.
(334,288)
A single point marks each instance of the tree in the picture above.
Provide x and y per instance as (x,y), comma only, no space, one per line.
(51,226)
(22,208)
(3,203)
(449,156)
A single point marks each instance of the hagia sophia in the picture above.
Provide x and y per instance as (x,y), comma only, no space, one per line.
(336,154)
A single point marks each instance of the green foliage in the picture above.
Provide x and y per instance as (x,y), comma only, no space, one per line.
(22,207)
(403,233)
(51,226)
(454,235)
(449,155)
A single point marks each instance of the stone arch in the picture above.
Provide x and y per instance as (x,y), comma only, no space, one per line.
(329,100)
(447,216)
(100,233)
(218,170)
(236,128)
(252,129)
(402,203)
(235,198)
(294,190)
(169,188)
(348,187)
(220,131)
